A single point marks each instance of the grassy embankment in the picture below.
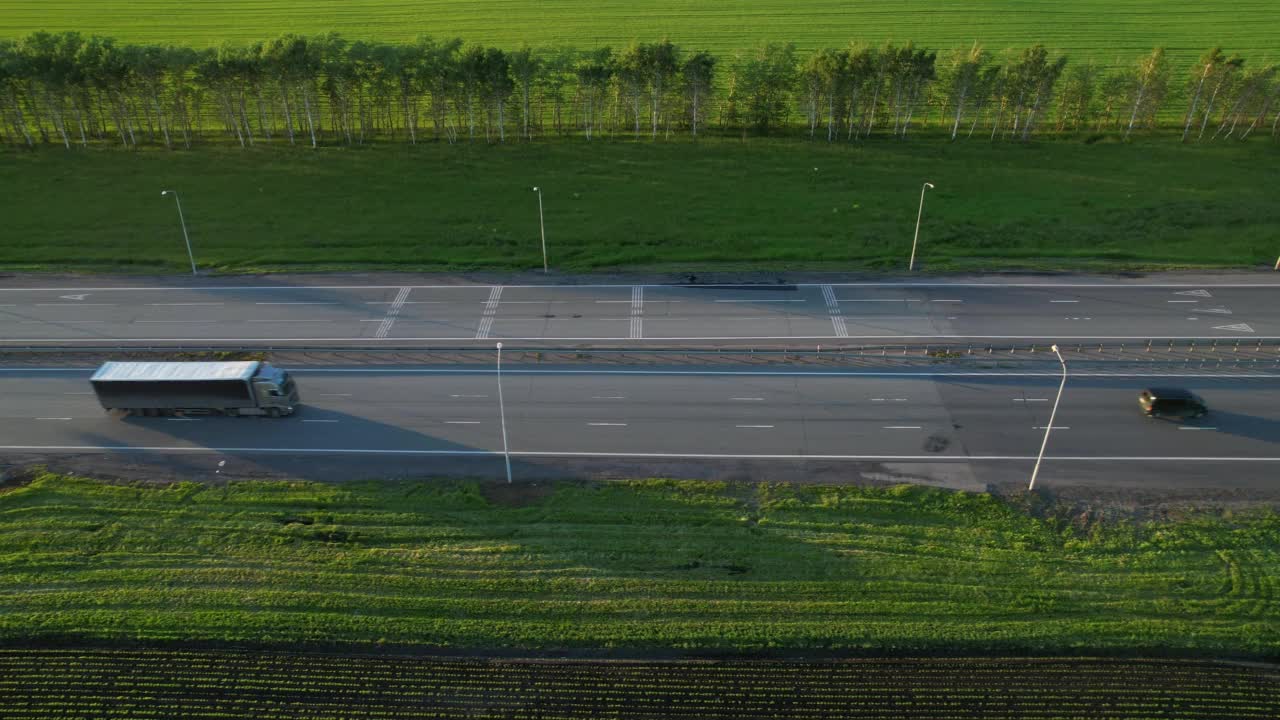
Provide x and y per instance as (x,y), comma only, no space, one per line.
(762,204)
(628,565)
(1105,31)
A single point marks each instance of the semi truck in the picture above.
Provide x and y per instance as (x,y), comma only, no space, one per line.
(169,388)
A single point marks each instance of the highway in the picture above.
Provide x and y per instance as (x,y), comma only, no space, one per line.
(956,429)
(465,314)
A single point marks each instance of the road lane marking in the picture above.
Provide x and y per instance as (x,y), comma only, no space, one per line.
(602,424)
(1238,327)
(320,421)
(641,455)
(669,338)
(754,426)
(461,422)
(410,302)
(900,399)
(183,304)
(184,322)
(182,419)
(77,393)
(1185,427)
(62,322)
(468,396)
(637,312)
(1055,427)
(393,312)
(747,398)
(74,304)
(838,324)
(1064,301)
(334,395)
(901,427)
(948,301)
(288,320)
(608,397)
(760,301)
(876,299)
(52,418)
(295,303)
(490,309)
(1031,399)
(1182,301)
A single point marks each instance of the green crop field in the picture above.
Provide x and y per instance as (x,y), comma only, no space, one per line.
(765,204)
(645,564)
(96,682)
(1104,30)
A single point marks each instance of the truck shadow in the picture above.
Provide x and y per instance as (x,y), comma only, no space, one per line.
(317,444)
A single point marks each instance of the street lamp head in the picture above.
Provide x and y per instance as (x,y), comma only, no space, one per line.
(164,192)
(535,188)
(1053,348)
(499,346)
(929,185)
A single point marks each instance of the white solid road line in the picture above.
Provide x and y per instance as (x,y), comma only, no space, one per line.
(901,427)
(754,426)
(694,456)
(320,421)
(295,303)
(461,422)
(608,397)
(184,304)
(75,304)
(1031,399)
(661,286)
(751,399)
(648,340)
(878,300)
(1181,301)
(184,322)
(289,321)
(753,300)
(1184,427)
(468,396)
(53,418)
(183,419)
(1064,301)
(62,322)
(1055,427)
(602,424)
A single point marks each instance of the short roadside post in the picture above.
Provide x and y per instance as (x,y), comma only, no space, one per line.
(183,221)
(502,413)
(542,228)
(911,266)
(1049,428)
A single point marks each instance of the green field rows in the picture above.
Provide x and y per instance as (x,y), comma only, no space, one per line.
(673,206)
(1099,29)
(218,684)
(630,565)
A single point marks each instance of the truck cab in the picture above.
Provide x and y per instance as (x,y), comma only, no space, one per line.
(275,390)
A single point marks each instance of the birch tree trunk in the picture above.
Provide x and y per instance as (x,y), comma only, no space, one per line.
(1195,100)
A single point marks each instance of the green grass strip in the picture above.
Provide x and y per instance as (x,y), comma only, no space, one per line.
(763,204)
(646,564)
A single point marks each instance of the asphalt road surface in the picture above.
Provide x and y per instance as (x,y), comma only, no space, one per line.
(961,430)
(462,314)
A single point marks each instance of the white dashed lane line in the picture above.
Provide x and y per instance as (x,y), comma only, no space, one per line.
(754,426)
(748,399)
(608,397)
(1031,399)
(1055,427)
(607,424)
(1064,301)
(901,427)
(295,303)
(1184,427)
(320,421)
(461,422)
(185,304)
(53,418)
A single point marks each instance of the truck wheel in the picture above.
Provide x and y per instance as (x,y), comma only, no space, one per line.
(273,412)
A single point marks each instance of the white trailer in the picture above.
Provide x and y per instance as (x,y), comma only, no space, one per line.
(167,388)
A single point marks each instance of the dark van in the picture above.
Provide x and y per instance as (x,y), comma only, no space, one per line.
(1171,402)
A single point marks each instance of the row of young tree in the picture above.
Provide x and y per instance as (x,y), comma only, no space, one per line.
(70,89)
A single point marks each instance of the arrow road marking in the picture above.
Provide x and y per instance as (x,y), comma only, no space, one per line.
(1238,327)
(1194,293)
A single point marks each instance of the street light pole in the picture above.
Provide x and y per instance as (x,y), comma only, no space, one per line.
(912,265)
(1049,428)
(543,229)
(502,412)
(191,256)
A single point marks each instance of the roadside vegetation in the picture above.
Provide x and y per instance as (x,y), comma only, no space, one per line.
(193,683)
(73,90)
(632,565)
(765,205)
